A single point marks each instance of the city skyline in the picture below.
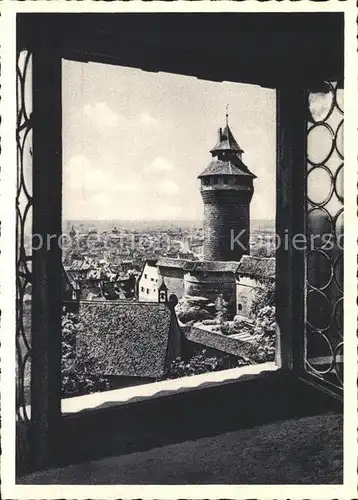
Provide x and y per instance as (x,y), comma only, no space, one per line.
(135,142)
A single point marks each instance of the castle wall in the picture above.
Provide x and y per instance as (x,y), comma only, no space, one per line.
(226,214)
(174,280)
(211,285)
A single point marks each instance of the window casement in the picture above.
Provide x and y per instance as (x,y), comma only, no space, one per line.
(300,290)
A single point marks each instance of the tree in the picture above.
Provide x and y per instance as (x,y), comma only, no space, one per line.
(199,363)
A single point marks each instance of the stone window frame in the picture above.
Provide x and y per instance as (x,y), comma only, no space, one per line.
(47,149)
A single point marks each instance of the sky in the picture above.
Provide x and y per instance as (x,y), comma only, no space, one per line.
(134,141)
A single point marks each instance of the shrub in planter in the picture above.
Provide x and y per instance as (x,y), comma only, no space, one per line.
(209,322)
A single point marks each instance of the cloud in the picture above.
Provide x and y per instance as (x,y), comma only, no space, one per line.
(101,115)
(146,119)
(159,165)
(166,188)
(89,180)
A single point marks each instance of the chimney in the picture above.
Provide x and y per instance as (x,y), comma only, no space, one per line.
(219,134)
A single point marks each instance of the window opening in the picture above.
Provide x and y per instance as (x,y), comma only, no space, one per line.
(127,192)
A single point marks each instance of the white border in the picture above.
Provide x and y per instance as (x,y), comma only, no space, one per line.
(7,269)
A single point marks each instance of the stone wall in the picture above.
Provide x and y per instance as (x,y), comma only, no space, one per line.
(174,280)
(225,214)
(211,285)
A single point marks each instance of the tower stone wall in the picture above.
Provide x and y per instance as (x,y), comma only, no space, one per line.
(226,217)
(226,190)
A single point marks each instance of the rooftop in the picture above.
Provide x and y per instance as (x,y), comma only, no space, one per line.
(226,142)
(221,167)
(227,157)
(184,264)
(128,338)
(213,266)
(216,266)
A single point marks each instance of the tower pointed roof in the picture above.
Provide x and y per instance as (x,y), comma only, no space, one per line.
(226,142)
(163,286)
(227,156)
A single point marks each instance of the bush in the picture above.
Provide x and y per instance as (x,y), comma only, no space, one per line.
(201,363)
(264,296)
(263,327)
(198,364)
(229,328)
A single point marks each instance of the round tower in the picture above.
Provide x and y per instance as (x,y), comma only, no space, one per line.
(226,190)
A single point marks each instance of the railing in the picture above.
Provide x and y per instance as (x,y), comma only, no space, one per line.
(324,224)
(23,253)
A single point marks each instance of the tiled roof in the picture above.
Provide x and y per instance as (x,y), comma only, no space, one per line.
(151,262)
(184,264)
(257,267)
(127,338)
(220,167)
(216,266)
(200,266)
(79,265)
(94,274)
(227,142)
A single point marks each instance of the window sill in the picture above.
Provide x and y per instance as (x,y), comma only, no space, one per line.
(119,397)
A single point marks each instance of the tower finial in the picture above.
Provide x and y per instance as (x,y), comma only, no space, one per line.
(227,115)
